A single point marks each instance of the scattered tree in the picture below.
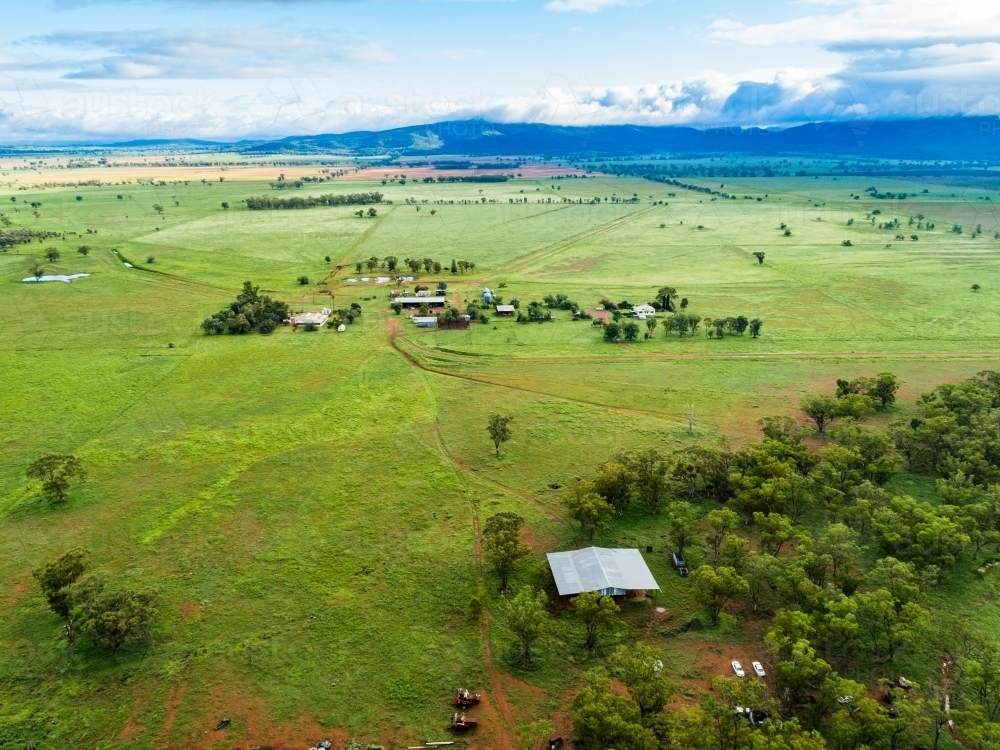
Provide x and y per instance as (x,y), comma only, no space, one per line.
(502,546)
(714,587)
(527,618)
(498,426)
(57,577)
(55,471)
(112,617)
(588,508)
(598,614)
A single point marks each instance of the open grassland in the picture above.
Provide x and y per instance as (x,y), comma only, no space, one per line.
(305,505)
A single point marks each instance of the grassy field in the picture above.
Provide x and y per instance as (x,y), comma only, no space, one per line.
(304,504)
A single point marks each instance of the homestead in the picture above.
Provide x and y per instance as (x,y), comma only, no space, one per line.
(643,311)
(412,302)
(611,572)
(505,311)
(425,321)
(316,318)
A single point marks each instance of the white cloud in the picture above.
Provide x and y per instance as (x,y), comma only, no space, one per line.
(210,53)
(865,22)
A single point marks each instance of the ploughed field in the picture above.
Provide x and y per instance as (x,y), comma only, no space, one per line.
(305,505)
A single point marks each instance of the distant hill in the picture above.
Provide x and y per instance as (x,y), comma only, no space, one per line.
(171,142)
(951,139)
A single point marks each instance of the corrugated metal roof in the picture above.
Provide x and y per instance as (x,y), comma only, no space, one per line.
(598,568)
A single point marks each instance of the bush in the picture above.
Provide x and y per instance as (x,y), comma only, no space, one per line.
(303,280)
(310,327)
(150,258)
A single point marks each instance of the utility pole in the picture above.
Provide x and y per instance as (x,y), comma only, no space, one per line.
(690,419)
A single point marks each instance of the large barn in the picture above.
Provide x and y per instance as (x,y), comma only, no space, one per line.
(612,572)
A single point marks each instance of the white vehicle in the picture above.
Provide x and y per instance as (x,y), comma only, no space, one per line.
(738,669)
(758,668)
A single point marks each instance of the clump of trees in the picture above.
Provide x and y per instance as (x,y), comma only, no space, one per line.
(533,312)
(559,302)
(856,399)
(251,311)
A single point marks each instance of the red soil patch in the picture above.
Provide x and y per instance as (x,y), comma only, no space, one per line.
(190,608)
(251,723)
(539,544)
(712,659)
(130,732)
(17,590)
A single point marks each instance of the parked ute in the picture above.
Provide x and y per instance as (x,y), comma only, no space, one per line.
(679,561)
(758,668)
(738,669)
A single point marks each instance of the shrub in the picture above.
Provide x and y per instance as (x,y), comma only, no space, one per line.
(150,258)
(310,327)
(303,280)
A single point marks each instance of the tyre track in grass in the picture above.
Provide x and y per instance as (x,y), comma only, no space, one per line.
(599,359)
(464,467)
(394,337)
(506,730)
(544,253)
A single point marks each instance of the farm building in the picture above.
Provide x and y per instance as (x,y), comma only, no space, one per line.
(643,311)
(612,572)
(425,321)
(418,301)
(505,310)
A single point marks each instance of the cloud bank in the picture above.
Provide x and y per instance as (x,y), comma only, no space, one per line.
(896,59)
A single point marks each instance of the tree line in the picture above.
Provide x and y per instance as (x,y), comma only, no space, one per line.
(266,202)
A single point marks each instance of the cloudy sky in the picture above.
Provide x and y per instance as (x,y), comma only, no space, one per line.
(222,69)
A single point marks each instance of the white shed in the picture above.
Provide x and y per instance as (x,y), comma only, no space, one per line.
(612,572)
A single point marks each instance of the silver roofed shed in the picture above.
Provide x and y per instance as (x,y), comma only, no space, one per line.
(611,572)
